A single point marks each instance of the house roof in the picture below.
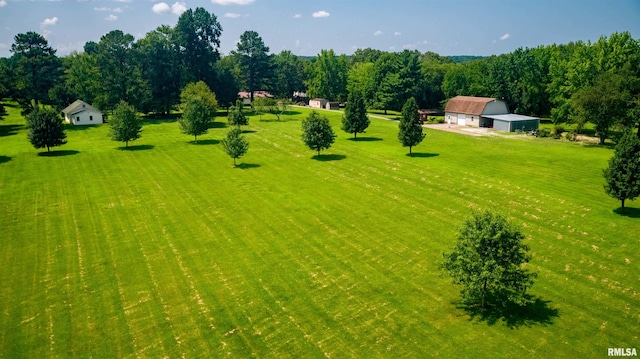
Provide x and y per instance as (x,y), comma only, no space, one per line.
(512,117)
(468,104)
(78,106)
(247,94)
(318,99)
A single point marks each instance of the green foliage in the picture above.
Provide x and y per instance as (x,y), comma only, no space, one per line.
(35,67)
(254,60)
(361,78)
(235,145)
(327,76)
(557,131)
(196,117)
(236,115)
(410,133)
(487,260)
(623,173)
(278,107)
(199,90)
(288,74)
(398,78)
(317,133)
(46,129)
(124,124)
(355,119)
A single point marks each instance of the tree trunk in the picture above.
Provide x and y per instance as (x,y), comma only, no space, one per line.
(484,291)
(318,152)
(234,162)
(409,149)
(623,203)
(602,139)
(385,111)
(355,134)
(195,138)
(126,144)
(48,150)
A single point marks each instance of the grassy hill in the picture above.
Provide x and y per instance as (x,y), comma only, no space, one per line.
(167,250)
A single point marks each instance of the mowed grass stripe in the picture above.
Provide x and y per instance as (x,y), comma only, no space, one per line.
(294,257)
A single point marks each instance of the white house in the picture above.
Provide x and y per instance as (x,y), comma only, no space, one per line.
(81,113)
(318,103)
(471,111)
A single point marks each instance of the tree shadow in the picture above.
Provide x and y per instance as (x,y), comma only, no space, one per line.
(217,124)
(9,130)
(159,121)
(77,128)
(537,312)
(328,158)
(205,142)
(365,139)
(422,155)
(248,131)
(245,166)
(4,159)
(136,148)
(628,212)
(60,153)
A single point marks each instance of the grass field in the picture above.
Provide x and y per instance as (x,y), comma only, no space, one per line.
(166,250)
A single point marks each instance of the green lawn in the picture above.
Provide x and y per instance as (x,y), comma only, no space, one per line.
(166,250)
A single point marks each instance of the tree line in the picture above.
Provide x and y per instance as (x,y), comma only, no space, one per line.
(579,82)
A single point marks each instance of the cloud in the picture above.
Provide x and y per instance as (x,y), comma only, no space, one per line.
(377,33)
(397,33)
(297,16)
(49,22)
(111,17)
(122,0)
(231,15)
(409,46)
(102,9)
(160,8)
(3,3)
(232,2)
(320,13)
(118,10)
(504,37)
(178,8)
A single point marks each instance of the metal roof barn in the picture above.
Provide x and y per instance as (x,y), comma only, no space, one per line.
(512,122)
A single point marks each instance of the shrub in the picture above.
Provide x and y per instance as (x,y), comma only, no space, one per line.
(544,132)
(557,131)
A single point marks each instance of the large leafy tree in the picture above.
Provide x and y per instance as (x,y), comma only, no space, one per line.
(197,35)
(159,61)
(226,84)
(361,78)
(488,260)
(236,116)
(289,74)
(623,173)
(36,67)
(120,73)
(45,128)
(124,124)
(327,76)
(355,119)
(398,78)
(82,76)
(317,133)
(199,90)
(235,145)
(410,133)
(199,108)
(255,62)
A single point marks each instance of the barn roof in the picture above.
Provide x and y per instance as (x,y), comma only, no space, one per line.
(512,117)
(468,104)
(78,106)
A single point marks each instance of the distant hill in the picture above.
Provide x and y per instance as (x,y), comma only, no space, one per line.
(464,58)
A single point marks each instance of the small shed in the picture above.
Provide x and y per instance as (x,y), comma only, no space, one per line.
(81,113)
(512,122)
(331,105)
(318,103)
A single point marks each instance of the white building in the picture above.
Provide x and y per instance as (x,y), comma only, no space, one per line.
(318,103)
(81,113)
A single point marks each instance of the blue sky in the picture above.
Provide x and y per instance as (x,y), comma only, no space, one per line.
(305,27)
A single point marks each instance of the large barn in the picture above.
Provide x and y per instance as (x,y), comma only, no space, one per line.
(81,113)
(486,112)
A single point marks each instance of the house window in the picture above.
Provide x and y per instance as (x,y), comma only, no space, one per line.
(78,119)
(90,118)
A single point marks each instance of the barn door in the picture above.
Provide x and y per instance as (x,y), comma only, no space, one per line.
(462,119)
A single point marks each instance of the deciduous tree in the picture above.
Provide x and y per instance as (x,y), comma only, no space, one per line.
(196,117)
(45,128)
(327,76)
(488,260)
(124,124)
(236,116)
(410,133)
(355,119)
(623,173)
(235,145)
(317,132)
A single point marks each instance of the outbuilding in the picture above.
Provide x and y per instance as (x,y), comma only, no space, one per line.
(318,103)
(512,122)
(332,105)
(81,113)
(469,110)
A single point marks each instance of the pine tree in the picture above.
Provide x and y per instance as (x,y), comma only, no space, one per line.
(623,173)
(317,132)
(235,145)
(45,129)
(410,125)
(355,119)
(125,125)
(488,260)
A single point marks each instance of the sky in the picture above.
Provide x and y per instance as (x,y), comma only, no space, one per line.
(305,27)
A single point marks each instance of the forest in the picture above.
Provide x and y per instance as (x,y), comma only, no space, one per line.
(579,82)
